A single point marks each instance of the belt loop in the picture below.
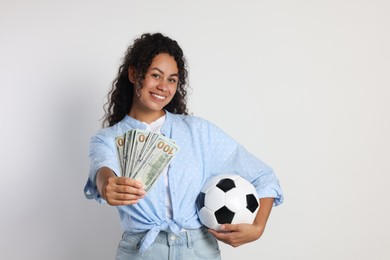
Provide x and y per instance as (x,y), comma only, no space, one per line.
(189,241)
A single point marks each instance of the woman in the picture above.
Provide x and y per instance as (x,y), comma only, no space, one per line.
(149,93)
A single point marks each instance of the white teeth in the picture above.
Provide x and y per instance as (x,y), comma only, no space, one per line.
(158,96)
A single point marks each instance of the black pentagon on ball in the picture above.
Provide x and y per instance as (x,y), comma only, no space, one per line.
(200,200)
(224,215)
(226,184)
(251,202)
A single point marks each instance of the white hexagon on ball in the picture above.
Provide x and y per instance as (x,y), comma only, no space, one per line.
(215,199)
(234,200)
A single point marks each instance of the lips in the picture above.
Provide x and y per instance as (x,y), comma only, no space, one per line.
(158,97)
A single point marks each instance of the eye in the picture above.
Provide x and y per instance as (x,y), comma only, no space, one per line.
(155,75)
(172,80)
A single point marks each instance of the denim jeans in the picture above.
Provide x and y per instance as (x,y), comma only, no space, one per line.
(188,245)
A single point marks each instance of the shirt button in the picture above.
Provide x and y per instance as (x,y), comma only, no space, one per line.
(173,237)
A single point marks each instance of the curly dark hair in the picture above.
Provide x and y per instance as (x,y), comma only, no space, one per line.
(140,56)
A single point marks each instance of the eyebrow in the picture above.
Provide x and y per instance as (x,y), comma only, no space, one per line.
(162,72)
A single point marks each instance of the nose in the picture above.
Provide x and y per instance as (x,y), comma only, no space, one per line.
(162,86)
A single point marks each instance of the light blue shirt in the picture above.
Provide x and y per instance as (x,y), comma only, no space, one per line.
(205,151)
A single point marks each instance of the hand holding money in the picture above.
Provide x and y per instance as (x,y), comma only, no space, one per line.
(144,155)
(118,191)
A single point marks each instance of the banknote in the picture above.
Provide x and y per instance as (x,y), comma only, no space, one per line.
(137,144)
(144,155)
(155,161)
(120,144)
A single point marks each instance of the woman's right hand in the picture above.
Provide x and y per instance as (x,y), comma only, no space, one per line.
(118,191)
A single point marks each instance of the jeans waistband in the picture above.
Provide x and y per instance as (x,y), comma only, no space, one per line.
(167,237)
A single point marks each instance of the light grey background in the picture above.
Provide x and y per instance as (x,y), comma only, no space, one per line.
(304,85)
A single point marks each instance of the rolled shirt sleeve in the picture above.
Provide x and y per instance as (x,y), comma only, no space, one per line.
(228,156)
(102,153)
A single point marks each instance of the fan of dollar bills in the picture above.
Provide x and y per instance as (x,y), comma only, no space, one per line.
(143,155)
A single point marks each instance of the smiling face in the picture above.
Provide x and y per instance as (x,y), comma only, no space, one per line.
(157,90)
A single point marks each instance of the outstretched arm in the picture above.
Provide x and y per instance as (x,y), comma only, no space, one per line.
(239,234)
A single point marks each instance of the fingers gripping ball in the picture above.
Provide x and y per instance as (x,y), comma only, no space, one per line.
(227,199)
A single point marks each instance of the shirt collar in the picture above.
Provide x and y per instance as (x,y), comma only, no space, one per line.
(167,126)
(165,129)
(133,123)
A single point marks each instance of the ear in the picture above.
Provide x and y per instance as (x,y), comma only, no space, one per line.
(131,74)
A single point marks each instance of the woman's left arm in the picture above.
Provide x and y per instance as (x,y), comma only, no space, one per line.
(239,234)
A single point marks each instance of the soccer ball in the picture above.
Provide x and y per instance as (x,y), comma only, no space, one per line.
(227,199)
